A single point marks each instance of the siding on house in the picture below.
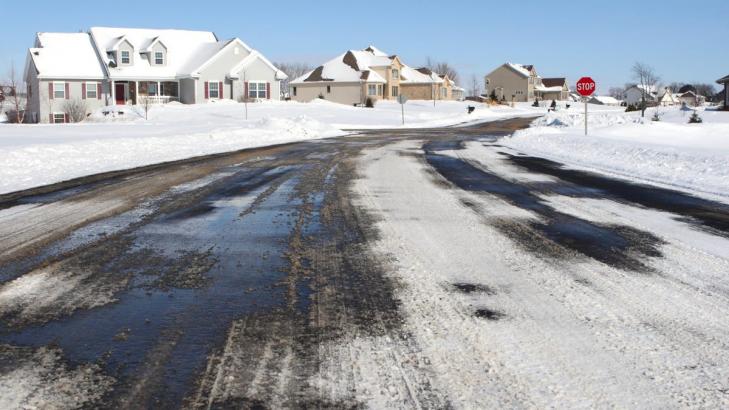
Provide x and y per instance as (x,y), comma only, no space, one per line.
(342,93)
(43,104)
(506,83)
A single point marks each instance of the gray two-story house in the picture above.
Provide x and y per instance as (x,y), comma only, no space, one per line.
(125,66)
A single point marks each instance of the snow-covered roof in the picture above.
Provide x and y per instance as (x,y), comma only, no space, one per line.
(606,99)
(357,65)
(522,69)
(542,88)
(352,66)
(65,56)
(186,50)
(409,75)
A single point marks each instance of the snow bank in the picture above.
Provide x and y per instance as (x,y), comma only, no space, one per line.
(120,137)
(670,152)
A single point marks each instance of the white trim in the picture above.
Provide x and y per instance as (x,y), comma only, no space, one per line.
(63,121)
(204,65)
(63,84)
(95,87)
(121,57)
(218,90)
(265,89)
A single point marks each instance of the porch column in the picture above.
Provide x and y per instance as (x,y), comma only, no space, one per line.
(113,93)
(136,93)
(159,92)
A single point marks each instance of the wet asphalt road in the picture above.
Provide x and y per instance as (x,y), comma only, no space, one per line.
(214,283)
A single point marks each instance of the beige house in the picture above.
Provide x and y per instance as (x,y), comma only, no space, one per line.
(521,83)
(357,75)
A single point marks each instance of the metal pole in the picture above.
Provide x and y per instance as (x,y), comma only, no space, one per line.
(585,115)
(402,106)
(245,96)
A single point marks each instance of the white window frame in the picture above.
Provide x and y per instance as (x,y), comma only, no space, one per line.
(121,57)
(56,91)
(93,87)
(395,74)
(258,93)
(63,117)
(161,58)
(370,88)
(217,90)
(395,91)
(380,89)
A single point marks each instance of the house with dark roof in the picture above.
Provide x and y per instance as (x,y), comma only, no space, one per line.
(358,75)
(521,83)
(725,82)
(127,66)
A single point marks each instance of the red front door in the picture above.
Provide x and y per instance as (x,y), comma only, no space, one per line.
(119,94)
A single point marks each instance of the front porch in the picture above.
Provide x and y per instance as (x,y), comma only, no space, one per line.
(144,92)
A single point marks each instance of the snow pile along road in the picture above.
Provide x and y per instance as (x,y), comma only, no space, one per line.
(117,138)
(670,152)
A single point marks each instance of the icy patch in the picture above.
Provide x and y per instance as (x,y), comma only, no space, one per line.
(39,379)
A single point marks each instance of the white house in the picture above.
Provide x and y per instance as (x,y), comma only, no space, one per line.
(634,95)
(119,66)
(667,98)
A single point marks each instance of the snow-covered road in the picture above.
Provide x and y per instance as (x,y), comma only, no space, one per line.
(398,269)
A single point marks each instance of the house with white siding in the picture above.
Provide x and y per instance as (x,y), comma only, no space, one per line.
(127,66)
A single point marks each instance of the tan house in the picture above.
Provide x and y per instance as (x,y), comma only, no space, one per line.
(521,83)
(357,75)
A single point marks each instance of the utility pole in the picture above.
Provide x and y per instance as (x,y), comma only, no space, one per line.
(245,96)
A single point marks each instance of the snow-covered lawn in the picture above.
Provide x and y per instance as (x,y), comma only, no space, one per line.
(35,155)
(670,152)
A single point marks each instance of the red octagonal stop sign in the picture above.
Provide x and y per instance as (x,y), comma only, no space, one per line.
(586,86)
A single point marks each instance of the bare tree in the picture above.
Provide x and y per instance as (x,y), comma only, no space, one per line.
(293,71)
(675,86)
(617,92)
(75,110)
(15,84)
(442,68)
(647,79)
(707,90)
(475,89)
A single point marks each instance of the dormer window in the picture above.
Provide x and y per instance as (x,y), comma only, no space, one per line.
(126,57)
(159,58)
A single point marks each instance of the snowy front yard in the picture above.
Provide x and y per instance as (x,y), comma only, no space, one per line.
(35,155)
(670,152)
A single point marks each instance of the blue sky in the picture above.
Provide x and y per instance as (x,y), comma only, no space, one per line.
(683,41)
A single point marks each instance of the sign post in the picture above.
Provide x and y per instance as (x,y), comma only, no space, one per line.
(585,87)
(402,100)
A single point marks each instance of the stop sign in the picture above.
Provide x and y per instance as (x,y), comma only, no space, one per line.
(586,86)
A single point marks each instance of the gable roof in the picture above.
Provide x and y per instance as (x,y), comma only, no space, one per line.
(352,66)
(155,40)
(521,69)
(357,65)
(186,50)
(554,82)
(253,56)
(65,56)
(723,80)
(605,99)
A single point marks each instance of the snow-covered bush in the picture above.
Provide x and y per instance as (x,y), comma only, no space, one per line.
(695,118)
(656,116)
(369,102)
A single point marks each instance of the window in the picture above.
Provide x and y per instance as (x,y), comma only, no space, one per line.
(91,91)
(258,90)
(395,74)
(59,90)
(125,57)
(395,91)
(372,89)
(152,89)
(213,89)
(443,93)
(59,118)
(380,89)
(159,58)
(329,89)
